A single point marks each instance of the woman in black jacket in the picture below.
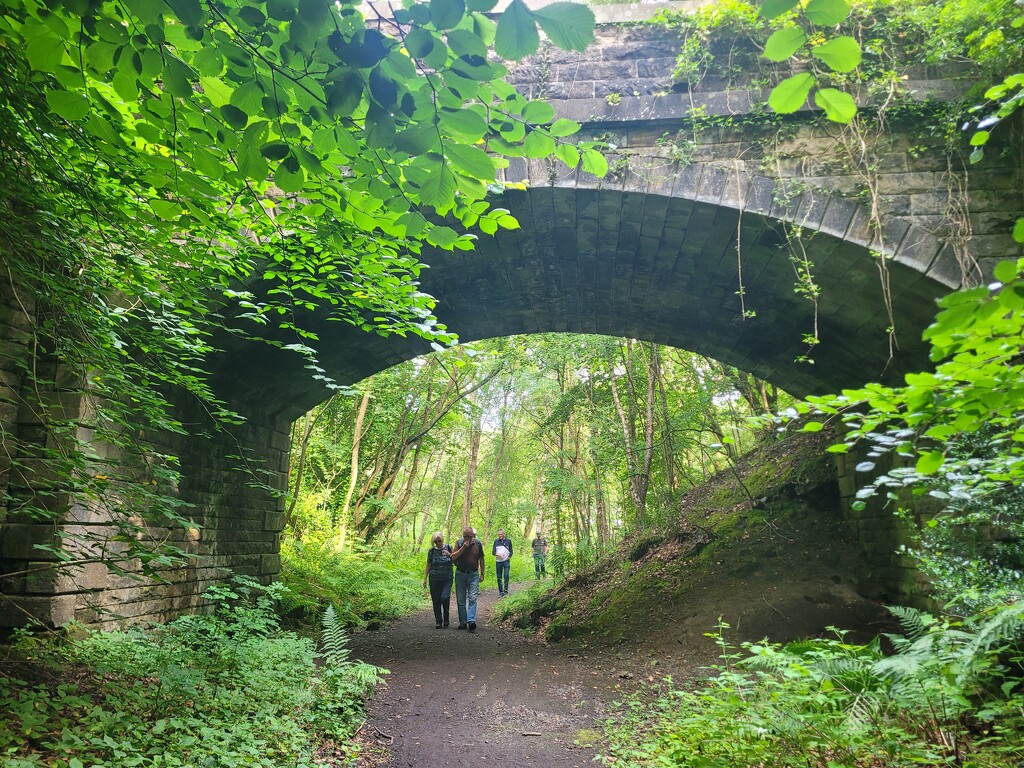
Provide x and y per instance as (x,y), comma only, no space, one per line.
(439,573)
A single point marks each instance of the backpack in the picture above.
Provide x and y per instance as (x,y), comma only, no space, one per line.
(440,562)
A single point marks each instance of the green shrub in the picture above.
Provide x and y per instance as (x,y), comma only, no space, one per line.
(951,695)
(228,688)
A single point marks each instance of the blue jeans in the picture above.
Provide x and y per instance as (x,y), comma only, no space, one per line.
(467,589)
(502,568)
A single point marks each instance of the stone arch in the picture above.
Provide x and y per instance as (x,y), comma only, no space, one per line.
(658,260)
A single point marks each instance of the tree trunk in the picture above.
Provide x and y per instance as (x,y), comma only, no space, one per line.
(357,436)
(474,455)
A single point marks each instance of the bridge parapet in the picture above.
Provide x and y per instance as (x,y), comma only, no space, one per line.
(908,177)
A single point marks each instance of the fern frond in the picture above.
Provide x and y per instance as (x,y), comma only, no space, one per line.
(915,623)
(333,638)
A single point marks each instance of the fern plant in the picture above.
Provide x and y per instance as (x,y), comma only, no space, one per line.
(334,640)
(951,694)
(343,684)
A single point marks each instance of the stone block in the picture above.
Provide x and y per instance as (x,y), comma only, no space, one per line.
(50,611)
(946,268)
(20,541)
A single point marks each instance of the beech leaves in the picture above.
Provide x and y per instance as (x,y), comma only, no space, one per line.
(840,54)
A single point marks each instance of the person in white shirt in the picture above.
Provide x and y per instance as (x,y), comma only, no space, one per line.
(502,551)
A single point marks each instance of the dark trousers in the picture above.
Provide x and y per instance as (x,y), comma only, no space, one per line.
(502,567)
(441,596)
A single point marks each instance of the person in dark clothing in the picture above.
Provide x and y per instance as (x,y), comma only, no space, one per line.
(439,574)
(502,551)
(469,572)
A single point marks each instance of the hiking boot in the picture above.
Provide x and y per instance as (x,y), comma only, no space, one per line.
(472,626)
(461,626)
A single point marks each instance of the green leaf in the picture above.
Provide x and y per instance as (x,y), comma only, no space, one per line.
(178,77)
(1006,271)
(345,95)
(234,117)
(783,43)
(189,11)
(168,210)
(289,176)
(314,13)
(251,163)
(442,237)
(516,36)
(929,463)
(839,106)
(275,150)
(595,163)
(840,53)
(281,10)
(445,14)
(538,112)
(248,97)
(439,190)
(1018,230)
(420,43)
(979,138)
(70,106)
(563,127)
(813,426)
(827,13)
(772,8)
(790,95)
(209,61)
(148,11)
(466,123)
(570,26)
(568,154)
(45,52)
(538,144)
(465,43)
(101,55)
(471,161)
(418,139)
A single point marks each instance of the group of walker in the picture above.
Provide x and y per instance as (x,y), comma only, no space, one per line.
(467,558)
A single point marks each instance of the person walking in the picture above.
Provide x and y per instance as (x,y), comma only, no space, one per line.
(540,555)
(439,574)
(468,557)
(502,551)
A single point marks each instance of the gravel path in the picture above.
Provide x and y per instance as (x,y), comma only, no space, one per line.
(456,699)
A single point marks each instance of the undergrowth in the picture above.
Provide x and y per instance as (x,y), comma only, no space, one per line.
(361,590)
(225,689)
(951,694)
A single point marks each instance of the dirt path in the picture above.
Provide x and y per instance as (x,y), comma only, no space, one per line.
(490,698)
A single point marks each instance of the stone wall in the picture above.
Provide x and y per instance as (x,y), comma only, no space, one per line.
(231,488)
(882,534)
(622,90)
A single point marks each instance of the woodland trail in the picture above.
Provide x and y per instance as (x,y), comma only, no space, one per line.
(456,699)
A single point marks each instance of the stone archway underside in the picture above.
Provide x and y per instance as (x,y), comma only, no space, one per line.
(645,266)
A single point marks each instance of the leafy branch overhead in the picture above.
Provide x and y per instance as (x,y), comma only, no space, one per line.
(840,54)
(214,112)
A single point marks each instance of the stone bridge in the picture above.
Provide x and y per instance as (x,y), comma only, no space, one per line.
(720,229)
